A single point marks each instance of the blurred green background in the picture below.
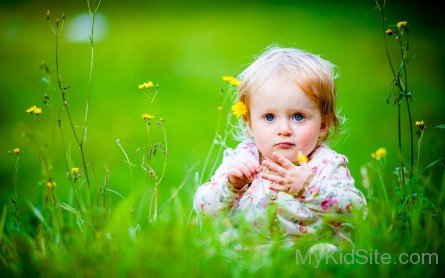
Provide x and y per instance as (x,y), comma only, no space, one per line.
(185,47)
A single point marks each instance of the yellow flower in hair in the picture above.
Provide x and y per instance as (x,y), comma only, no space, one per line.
(235,82)
(239,109)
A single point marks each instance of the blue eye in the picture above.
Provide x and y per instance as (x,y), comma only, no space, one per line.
(298,117)
(269,117)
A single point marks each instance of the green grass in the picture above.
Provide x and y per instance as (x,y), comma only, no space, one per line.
(187,51)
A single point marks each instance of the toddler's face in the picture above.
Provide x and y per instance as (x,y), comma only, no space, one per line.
(284,119)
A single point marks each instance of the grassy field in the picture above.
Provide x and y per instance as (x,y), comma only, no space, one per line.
(186,49)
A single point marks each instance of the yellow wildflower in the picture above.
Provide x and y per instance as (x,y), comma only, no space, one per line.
(420,128)
(239,109)
(420,124)
(146,85)
(16,151)
(51,184)
(75,170)
(379,154)
(147,116)
(34,110)
(402,24)
(219,108)
(37,111)
(389,32)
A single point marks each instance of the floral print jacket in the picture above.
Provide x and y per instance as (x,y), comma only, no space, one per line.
(329,196)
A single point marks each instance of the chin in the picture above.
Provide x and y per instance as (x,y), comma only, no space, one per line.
(291,155)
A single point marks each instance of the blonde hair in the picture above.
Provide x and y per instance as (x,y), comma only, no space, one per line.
(314,75)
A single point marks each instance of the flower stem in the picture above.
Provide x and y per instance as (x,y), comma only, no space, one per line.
(64,104)
(382,183)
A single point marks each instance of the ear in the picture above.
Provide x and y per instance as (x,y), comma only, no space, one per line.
(323,130)
(249,128)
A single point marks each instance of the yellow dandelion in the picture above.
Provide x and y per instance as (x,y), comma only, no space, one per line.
(34,110)
(141,86)
(239,109)
(37,111)
(402,24)
(379,154)
(149,84)
(389,32)
(75,170)
(235,82)
(147,116)
(31,109)
(16,151)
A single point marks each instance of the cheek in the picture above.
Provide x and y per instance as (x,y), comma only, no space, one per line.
(310,136)
(258,136)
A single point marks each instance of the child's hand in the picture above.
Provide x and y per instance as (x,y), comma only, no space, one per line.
(242,172)
(288,177)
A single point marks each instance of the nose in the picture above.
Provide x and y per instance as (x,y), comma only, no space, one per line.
(284,128)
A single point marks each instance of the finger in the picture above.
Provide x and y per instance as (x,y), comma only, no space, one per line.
(295,191)
(274,168)
(283,161)
(235,172)
(253,167)
(301,158)
(278,187)
(244,170)
(272,178)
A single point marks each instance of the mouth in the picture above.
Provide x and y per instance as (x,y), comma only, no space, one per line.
(284,145)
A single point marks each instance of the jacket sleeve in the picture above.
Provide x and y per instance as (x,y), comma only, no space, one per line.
(214,196)
(333,197)
(331,192)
